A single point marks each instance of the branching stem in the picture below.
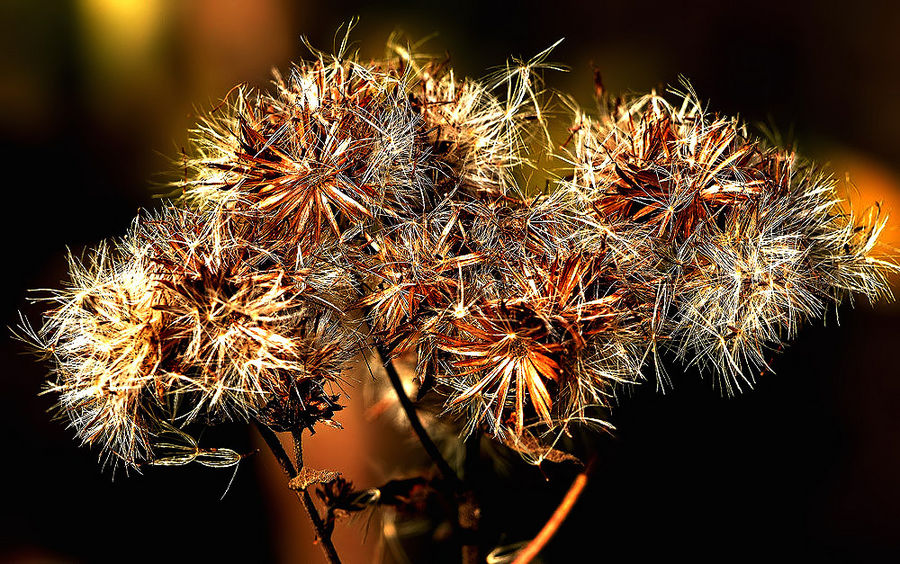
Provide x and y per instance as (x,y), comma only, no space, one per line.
(324,537)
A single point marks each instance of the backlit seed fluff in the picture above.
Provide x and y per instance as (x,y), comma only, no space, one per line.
(746,241)
(394,205)
(185,320)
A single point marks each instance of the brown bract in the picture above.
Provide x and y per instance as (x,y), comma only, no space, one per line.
(416,265)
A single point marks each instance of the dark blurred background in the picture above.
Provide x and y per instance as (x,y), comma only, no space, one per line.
(96,97)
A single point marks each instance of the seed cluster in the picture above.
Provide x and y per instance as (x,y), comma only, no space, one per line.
(390,204)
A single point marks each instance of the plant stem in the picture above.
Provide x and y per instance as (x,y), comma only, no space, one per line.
(468,511)
(565,506)
(416,424)
(324,537)
(297,435)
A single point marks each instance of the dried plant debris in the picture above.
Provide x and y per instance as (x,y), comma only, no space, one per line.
(397,193)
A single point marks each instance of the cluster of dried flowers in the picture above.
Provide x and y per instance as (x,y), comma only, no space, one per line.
(387,205)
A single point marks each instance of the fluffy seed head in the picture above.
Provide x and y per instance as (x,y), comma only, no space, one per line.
(743,242)
(185,320)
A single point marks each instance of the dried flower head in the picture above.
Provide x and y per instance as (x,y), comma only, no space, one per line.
(250,323)
(105,351)
(563,339)
(745,241)
(399,190)
(336,145)
(186,320)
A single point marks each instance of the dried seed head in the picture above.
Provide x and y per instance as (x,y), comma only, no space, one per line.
(248,322)
(102,337)
(337,144)
(551,351)
(184,320)
(671,230)
(742,242)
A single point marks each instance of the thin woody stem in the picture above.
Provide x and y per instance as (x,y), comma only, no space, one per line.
(468,512)
(275,446)
(410,410)
(532,549)
(284,461)
(297,435)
